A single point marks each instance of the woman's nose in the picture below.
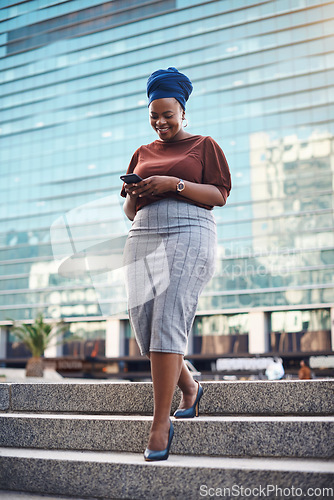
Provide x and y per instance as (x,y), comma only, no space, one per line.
(161,121)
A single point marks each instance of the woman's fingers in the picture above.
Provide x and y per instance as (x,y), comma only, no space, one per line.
(143,188)
(151,185)
(145,191)
(132,188)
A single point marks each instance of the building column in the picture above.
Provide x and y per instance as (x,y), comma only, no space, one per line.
(258,336)
(3,342)
(54,351)
(332,328)
(190,343)
(114,338)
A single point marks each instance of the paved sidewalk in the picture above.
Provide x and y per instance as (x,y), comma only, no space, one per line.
(17,375)
(17,495)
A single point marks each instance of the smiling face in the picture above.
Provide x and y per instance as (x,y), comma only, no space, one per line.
(166,117)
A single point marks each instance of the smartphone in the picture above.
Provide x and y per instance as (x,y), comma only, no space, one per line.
(130,178)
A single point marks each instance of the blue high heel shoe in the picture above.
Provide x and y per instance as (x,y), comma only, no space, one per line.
(193,410)
(151,455)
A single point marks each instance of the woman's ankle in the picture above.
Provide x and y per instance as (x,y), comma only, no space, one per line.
(160,424)
(189,389)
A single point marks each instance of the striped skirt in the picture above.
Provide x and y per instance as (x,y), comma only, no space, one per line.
(169,257)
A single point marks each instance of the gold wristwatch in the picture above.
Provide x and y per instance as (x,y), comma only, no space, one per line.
(180,186)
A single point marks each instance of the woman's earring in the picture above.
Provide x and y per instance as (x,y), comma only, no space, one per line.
(186,124)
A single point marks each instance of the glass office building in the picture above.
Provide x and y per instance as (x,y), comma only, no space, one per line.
(73,111)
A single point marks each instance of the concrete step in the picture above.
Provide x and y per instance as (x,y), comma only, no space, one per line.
(19,495)
(287,397)
(238,436)
(108,475)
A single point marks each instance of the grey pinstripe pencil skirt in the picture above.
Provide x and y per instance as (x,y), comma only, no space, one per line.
(169,257)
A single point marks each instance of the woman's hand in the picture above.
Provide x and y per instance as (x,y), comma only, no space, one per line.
(130,201)
(206,194)
(129,189)
(156,184)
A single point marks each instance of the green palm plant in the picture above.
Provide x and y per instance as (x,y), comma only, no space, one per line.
(37,337)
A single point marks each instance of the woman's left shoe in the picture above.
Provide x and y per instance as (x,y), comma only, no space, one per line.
(151,455)
(194,409)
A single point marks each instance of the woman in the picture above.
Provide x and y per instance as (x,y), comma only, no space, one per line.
(171,246)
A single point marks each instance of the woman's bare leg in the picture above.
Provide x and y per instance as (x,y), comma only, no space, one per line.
(165,370)
(188,387)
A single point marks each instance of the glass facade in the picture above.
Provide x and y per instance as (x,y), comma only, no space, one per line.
(73,110)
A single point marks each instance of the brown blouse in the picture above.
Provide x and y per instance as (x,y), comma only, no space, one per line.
(196,159)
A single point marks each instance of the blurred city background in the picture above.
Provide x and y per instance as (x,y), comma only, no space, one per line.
(73,111)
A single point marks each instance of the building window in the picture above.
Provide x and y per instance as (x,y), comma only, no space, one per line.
(303,331)
(93,340)
(221,334)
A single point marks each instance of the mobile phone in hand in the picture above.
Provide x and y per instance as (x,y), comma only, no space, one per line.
(130,178)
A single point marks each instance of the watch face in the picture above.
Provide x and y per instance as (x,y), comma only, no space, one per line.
(180,186)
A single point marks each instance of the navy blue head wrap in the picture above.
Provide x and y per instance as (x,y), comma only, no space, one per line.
(169,83)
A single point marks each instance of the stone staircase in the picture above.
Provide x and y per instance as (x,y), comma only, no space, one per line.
(86,440)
